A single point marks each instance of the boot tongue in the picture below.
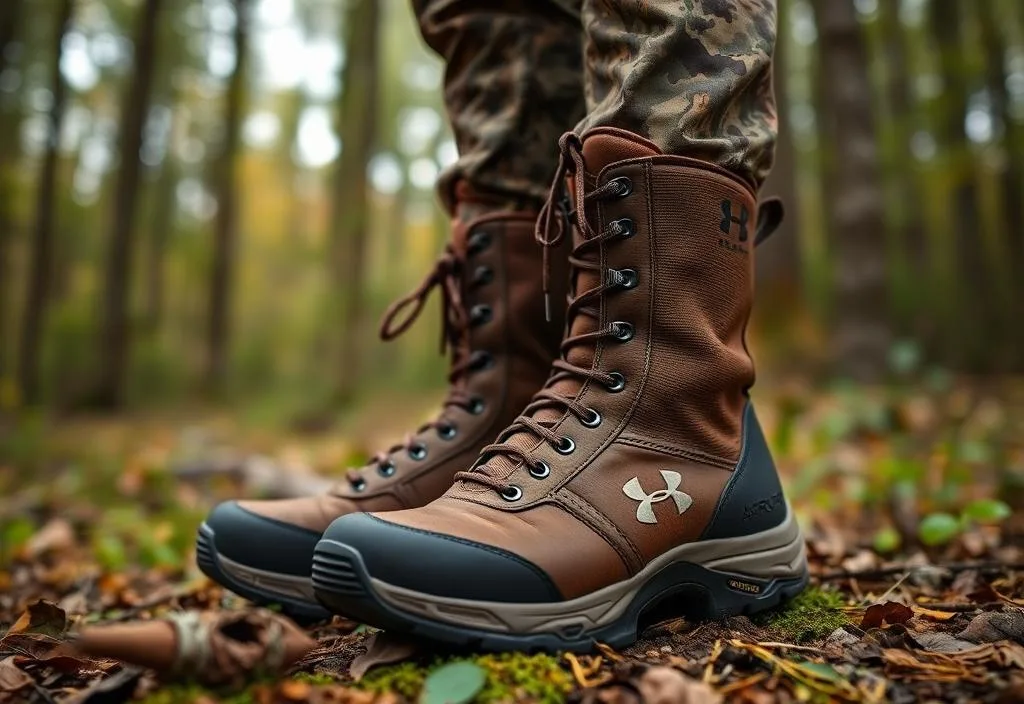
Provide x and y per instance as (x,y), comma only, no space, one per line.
(601,147)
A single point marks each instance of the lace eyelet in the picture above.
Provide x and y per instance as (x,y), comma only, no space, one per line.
(622,331)
(540,470)
(481,360)
(447,431)
(627,227)
(480,314)
(418,452)
(565,446)
(483,275)
(625,186)
(618,382)
(478,242)
(512,493)
(477,406)
(386,470)
(593,420)
(628,278)
(358,485)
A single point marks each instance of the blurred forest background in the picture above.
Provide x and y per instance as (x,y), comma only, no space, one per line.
(215,199)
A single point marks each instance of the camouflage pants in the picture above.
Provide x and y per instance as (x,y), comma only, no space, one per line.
(693,76)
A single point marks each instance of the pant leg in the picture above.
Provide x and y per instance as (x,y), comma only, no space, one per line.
(692,76)
(513,84)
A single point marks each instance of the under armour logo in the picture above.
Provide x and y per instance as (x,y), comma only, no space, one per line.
(728,219)
(645,511)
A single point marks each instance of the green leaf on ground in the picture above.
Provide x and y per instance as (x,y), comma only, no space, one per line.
(987,511)
(938,529)
(455,683)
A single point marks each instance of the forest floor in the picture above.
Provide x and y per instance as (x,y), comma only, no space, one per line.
(909,499)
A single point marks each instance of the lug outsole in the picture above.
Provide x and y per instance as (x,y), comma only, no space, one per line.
(342,584)
(209,563)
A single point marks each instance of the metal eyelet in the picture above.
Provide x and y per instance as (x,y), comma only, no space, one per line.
(447,431)
(477,405)
(480,314)
(358,485)
(622,331)
(628,278)
(618,382)
(512,493)
(627,228)
(593,421)
(478,242)
(418,452)
(540,470)
(565,446)
(625,186)
(386,470)
(483,275)
(481,360)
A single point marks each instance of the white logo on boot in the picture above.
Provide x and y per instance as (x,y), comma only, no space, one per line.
(645,511)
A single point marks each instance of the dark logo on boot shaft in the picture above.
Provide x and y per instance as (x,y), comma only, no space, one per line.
(738,221)
(763,506)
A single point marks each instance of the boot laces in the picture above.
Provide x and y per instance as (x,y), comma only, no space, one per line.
(561,211)
(399,317)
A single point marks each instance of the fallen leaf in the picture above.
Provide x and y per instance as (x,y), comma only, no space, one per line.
(990,626)
(933,614)
(12,677)
(889,612)
(55,536)
(116,689)
(42,618)
(454,683)
(382,649)
(294,690)
(666,685)
(943,642)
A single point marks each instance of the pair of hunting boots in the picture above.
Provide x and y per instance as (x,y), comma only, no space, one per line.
(581,479)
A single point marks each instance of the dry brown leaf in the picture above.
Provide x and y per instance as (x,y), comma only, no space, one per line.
(42,618)
(666,685)
(12,677)
(294,691)
(382,649)
(891,612)
(991,626)
(933,614)
(56,536)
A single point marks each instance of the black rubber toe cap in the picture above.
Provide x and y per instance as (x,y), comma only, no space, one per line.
(260,542)
(442,565)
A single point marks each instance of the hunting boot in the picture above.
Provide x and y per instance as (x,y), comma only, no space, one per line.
(637,483)
(501,351)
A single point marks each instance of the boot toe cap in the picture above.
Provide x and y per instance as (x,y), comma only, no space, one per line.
(439,564)
(261,542)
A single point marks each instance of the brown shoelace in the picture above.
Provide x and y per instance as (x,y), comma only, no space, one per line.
(400,316)
(557,216)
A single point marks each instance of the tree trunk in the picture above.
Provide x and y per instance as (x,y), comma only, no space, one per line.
(902,179)
(971,324)
(350,216)
(855,208)
(10,16)
(222,272)
(1012,178)
(116,334)
(33,321)
(778,262)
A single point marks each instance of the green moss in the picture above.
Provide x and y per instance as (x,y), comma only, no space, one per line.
(510,676)
(189,693)
(811,616)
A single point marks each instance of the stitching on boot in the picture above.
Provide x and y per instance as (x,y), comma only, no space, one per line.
(603,526)
(676,451)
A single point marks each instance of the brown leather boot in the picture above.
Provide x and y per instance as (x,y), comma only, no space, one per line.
(639,477)
(501,350)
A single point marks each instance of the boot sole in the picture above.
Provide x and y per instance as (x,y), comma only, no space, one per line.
(258,586)
(710,579)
